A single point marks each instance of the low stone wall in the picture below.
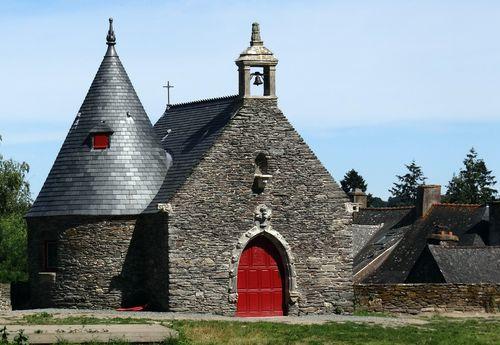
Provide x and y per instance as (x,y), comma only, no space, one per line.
(5,297)
(417,298)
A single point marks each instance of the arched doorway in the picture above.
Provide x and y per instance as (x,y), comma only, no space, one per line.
(261,280)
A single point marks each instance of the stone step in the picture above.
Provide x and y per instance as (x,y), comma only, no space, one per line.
(132,333)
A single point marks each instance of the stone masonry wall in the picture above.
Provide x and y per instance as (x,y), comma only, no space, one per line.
(100,261)
(416,298)
(215,207)
(5,297)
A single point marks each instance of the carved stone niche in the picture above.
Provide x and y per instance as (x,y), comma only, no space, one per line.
(261,180)
(261,176)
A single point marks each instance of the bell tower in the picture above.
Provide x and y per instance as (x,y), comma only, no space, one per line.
(257,65)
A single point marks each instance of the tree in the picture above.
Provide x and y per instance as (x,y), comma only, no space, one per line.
(473,184)
(404,191)
(14,202)
(375,201)
(353,180)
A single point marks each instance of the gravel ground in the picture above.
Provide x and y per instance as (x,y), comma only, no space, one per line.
(306,319)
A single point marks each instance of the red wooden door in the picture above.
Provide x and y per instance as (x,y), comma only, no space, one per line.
(260,280)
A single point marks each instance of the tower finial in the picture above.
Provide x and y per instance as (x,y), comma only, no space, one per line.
(256,40)
(110,38)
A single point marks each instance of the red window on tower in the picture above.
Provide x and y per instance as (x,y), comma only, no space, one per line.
(100,141)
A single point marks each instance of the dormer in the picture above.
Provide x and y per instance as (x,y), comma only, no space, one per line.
(257,66)
(100,136)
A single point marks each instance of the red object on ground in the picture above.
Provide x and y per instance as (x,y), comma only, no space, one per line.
(260,280)
(137,308)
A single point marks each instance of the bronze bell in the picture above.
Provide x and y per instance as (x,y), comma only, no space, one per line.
(258,78)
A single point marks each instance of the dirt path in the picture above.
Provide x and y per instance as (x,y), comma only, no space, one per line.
(16,316)
(399,320)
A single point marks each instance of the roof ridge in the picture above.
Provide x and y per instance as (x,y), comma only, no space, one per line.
(464,247)
(202,101)
(388,208)
(447,204)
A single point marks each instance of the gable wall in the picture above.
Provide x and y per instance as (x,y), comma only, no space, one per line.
(425,270)
(215,207)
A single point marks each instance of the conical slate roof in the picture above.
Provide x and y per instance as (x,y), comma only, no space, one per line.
(120,180)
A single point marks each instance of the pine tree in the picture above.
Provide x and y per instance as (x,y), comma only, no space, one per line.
(473,184)
(404,191)
(352,180)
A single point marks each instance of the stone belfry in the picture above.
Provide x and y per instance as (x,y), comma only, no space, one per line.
(257,57)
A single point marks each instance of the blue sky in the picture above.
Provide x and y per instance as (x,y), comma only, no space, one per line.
(370,85)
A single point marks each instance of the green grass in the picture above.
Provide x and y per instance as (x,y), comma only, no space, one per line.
(438,330)
(372,313)
(48,319)
(465,332)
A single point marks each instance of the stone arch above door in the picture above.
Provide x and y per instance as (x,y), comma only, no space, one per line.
(263,227)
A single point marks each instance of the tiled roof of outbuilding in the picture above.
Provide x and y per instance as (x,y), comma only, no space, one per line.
(373,216)
(468,264)
(393,223)
(465,221)
(361,234)
(122,179)
(187,131)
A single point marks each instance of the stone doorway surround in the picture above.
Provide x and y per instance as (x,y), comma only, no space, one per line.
(263,227)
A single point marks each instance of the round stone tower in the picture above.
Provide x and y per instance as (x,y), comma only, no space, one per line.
(85,227)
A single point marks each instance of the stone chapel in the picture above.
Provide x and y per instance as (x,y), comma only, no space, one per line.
(220,207)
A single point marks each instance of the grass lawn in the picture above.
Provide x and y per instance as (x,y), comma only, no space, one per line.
(49,319)
(438,331)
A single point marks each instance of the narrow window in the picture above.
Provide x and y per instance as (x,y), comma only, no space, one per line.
(50,256)
(100,141)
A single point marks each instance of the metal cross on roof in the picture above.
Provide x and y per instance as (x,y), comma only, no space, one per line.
(168,87)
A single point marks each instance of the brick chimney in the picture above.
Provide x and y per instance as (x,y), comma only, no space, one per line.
(359,197)
(494,235)
(427,195)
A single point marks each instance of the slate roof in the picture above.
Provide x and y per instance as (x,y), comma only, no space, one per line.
(468,264)
(187,131)
(392,224)
(466,221)
(122,179)
(361,234)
